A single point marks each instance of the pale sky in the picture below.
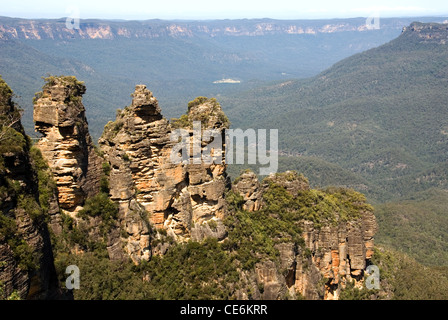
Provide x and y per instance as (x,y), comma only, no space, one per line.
(224,9)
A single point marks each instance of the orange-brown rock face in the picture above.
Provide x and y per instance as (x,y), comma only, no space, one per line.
(339,253)
(178,197)
(249,188)
(332,255)
(59,116)
(67,147)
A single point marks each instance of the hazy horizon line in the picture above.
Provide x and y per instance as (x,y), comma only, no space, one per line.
(224,19)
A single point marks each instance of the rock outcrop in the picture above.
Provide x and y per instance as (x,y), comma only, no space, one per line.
(184,200)
(248,186)
(75,165)
(180,198)
(340,253)
(168,179)
(435,33)
(333,253)
(11,28)
(26,258)
(66,145)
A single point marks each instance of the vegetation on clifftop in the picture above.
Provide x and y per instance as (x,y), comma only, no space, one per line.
(210,110)
(11,140)
(254,235)
(77,87)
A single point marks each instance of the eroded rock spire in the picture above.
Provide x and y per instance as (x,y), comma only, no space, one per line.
(59,116)
(179,198)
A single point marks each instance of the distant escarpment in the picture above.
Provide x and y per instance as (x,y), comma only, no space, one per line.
(139,202)
(427,32)
(67,29)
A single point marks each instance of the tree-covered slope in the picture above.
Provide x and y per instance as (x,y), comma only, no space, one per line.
(417,225)
(381,114)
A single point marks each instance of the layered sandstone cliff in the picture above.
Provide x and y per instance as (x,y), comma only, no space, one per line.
(66,145)
(26,258)
(434,33)
(151,190)
(67,29)
(332,255)
(179,198)
(75,165)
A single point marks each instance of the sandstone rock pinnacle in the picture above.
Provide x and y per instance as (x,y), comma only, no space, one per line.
(178,198)
(59,116)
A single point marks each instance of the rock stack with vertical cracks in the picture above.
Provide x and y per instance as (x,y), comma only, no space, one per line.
(334,252)
(59,116)
(178,198)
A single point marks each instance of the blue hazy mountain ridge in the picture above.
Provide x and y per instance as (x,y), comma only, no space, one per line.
(378,119)
(381,113)
(179,60)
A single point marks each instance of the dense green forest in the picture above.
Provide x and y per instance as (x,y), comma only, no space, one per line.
(416,225)
(380,114)
(377,122)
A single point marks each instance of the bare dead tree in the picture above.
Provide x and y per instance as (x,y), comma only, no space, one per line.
(11,119)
